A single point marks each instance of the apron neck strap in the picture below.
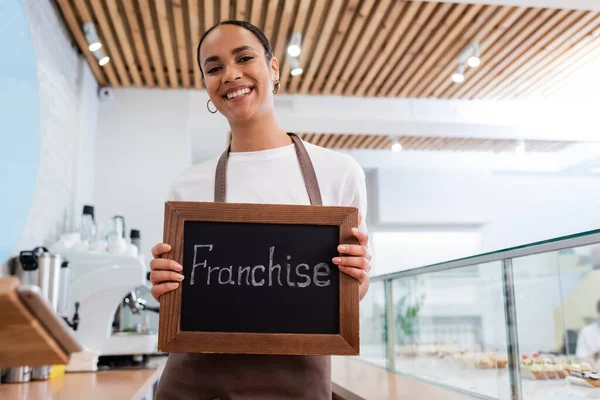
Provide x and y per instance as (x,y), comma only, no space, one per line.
(306,167)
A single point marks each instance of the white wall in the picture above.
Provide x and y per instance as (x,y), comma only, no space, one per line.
(433,197)
(527,119)
(509,210)
(143,144)
(532,208)
(68,105)
(396,250)
(85,146)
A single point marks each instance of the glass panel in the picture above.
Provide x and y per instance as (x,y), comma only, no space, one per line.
(450,329)
(373,343)
(406,311)
(557,295)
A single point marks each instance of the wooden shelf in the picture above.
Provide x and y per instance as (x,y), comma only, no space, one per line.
(24,339)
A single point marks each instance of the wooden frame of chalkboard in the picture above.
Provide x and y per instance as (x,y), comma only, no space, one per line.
(171,338)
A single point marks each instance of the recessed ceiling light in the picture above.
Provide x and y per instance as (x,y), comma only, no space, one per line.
(89,30)
(296,69)
(95,46)
(474,61)
(396,145)
(459,75)
(294,47)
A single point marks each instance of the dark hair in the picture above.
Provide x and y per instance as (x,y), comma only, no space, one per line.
(246,25)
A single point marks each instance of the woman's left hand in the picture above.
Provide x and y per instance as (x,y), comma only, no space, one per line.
(357,260)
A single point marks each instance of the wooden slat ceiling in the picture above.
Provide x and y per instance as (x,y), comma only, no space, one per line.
(341,141)
(383,48)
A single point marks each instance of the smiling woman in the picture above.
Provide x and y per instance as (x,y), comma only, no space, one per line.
(264,164)
(241,76)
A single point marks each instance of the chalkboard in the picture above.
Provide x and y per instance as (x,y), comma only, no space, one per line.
(259,279)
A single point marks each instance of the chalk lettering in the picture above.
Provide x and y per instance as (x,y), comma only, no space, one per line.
(263,275)
(210,269)
(240,272)
(196,247)
(317,274)
(307,282)
(262,281)
(229,280)
(203,264)
(288,267)
(272,267)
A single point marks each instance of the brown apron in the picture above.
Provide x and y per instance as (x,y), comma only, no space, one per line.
(249,377)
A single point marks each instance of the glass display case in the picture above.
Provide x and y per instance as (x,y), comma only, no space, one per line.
(521,323)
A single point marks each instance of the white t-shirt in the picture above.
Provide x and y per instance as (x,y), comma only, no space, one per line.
(588,341)
(274,177)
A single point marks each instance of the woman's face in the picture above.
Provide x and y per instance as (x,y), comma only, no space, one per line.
(238,77)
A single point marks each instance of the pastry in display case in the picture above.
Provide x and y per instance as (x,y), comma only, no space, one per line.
(461,356)
(586,378)
(481,360)
(533,367)
(549,367)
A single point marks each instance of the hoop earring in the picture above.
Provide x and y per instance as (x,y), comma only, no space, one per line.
(276,87)
(208,106)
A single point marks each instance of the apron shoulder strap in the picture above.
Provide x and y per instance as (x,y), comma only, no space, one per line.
(308,171)
(306,167)
(221,177)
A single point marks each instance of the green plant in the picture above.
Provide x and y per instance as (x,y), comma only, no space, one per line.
(407,316)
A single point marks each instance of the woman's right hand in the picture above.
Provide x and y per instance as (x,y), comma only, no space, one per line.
(165,274)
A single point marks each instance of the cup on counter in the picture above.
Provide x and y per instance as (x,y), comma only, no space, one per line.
(16,374)
(40,373)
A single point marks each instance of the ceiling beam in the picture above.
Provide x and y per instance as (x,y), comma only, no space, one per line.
(591,5)
(541,120)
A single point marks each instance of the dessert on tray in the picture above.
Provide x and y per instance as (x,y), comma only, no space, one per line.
(559,367)
(577,366)
(584,378)
(549,367)
(541,367)
(406,350)
(482,360)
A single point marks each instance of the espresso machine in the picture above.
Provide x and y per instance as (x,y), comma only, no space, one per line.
(99,285)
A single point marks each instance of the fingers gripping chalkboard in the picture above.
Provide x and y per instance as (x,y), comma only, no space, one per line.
(259,280)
